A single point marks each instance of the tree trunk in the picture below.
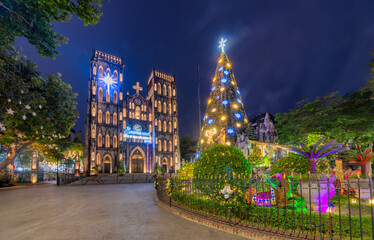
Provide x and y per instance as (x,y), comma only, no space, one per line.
(9,158)
(365,168)
(312,166)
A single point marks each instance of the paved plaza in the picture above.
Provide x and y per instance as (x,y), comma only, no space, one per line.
(123,211)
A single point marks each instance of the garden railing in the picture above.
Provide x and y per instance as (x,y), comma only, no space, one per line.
(291,206)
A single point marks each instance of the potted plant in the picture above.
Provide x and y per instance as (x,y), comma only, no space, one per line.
(121,169)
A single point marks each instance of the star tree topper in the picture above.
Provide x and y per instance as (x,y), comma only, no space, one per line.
(222,44)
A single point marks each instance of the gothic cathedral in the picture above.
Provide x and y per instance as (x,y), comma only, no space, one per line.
(137,131)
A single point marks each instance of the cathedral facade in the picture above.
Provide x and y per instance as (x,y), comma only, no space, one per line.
(133,130)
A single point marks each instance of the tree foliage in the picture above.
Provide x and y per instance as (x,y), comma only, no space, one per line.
(188,148)
(215,159)
(34,21)
(34,111)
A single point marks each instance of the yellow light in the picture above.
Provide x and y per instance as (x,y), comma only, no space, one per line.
(228,143)
(354,200)
(222,88)
(371,201)
(228,65)
(232,82)
(235,106)
(214,79)
(220,61)
(209,101)
(213,110)
(202,140)
(238,125)
(223,118)
(245,120)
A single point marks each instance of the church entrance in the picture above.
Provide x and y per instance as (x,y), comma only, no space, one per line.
(107,164)
(137,162)
(165,165)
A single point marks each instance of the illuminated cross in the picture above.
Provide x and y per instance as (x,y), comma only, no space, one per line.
(210,134)
(137,88)
(222,44)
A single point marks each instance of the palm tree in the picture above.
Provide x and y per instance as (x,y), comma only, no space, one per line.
(363,157)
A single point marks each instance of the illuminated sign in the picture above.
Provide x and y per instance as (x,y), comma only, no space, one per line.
(136,133)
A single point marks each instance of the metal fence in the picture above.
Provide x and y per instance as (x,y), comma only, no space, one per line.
(313,208)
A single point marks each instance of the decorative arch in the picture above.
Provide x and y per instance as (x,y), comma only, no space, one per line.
(107,117)
(107,163)
(107,141)
(100,94)
(115,100)
(107,71)
(170,128)
(100,140)
(114,118)
(124,112)
(137,160)
(150,117)
(165,164)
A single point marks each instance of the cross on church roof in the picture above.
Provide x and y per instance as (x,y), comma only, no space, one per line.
(137,88)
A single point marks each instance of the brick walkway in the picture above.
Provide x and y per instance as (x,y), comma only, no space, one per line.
(121,211)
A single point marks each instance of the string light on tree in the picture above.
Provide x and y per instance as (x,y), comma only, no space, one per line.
(222,120)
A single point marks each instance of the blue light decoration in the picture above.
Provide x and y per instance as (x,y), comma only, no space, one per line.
(204,118)
(213,88)
(238,91)
(226,72)
(197,155)
(210,121)
(217,97)
(220,69)
(238,115)
(225,102)
(239,100)
(230,131)
(223,80)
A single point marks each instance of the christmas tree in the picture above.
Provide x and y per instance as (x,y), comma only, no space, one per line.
(225,115)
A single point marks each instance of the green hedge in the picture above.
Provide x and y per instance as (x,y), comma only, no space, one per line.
(292,163)
(214,160)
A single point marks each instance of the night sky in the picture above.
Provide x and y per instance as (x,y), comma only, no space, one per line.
(281,51)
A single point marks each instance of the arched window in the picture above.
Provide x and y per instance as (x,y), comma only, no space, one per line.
(150,127)
(164,107)
(114,118)
(169,91)
(159,145)
(159,106)
(107,71)
(107,141)
(170,146)
(165,146)
(124,112)
(114,97)
(101,71)
(159,88)
(170,108)
(98,160)
(124,124)
(100,94)
(120,116)
(115,141)
(100,116)
(174,92)
(175,141)
(165,130)
(175,123)
(100,140)
(120,96)
(137,112)
(159,125)
(175,107)
(170,128)
(164,89)
(155,87)
(150,117)
(115,75)
(120,137)
(107,96)
(107,118)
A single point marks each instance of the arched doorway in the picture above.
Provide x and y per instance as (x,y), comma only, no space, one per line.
(107,164)
(137,161)
(165,164)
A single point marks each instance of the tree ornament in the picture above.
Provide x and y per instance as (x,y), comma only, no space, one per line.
(27,107)
(10,111)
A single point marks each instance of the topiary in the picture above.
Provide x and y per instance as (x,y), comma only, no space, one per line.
(291,163)
(214,160)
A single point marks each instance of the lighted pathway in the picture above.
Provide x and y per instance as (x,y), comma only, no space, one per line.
(124,211)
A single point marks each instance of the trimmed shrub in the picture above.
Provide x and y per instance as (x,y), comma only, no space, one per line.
(215,159)
(292,163)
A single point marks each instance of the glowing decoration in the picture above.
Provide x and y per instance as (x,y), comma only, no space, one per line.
(233,83)
(223,118)
(228,65)
(371,201)
(209,101)
(220,69)
(217,97)
(222,88)
(204,118)
(238,91)
(239,101)
(197,155)
(228,143)
(230,131)
(210,134)
(264,199)
(210,121)
(238,115)
(226,72)
(354,201)
(214,79)
(238,125)
(223,80)
(226,191)
(9,111)
(202,140)
(213,88)
(220,60)
(222,44)
(108,80)
(245,120)
(214,109)
(235,106)
(225,102)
